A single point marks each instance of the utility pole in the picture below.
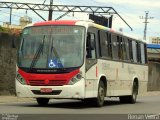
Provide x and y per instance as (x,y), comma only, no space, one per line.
(50,10)
(10,19)
(146,22)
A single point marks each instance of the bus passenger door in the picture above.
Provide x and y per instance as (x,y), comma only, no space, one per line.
(91,63)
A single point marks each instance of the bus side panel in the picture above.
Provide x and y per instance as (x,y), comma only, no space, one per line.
(132,72)
(115,74)
(120,77)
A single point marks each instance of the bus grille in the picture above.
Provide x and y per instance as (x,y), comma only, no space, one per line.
(55,92)
(47,82)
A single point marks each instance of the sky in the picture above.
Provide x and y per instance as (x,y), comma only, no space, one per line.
(132,12)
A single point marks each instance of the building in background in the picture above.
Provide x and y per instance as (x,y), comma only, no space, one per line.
(154,40)
(16,29)
(23,21)
(153,49)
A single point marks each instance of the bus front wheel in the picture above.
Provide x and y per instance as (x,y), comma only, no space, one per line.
(42,101)
(99,101)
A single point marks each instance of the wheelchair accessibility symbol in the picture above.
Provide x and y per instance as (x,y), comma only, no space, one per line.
(51,64)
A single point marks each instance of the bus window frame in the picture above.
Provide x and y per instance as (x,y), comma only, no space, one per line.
(115,46)
(105,44)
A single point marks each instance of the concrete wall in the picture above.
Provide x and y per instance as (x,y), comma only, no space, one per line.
(154,76)
(7,63)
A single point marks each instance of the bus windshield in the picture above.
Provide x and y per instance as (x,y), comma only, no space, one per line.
(49,47)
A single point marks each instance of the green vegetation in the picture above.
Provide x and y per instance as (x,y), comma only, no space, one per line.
(14,31)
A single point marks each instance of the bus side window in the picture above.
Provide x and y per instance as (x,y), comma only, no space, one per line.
(142,53)
(104,44)
(90,48)
(120,47)
(126,50)
(130,51)
(145,51)
(109,45)
(115,47)
(139,52)
(134,47)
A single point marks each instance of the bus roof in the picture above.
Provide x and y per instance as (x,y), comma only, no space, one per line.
(73,22)
(56,22)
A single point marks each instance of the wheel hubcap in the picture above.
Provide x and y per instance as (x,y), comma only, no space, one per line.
(135,92)
(101,94)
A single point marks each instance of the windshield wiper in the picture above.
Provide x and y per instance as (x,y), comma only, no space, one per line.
(54,50)
(37,54)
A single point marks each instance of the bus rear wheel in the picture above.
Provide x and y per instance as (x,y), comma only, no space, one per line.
(42,101)
(131,98)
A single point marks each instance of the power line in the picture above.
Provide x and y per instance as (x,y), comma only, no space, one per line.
(62,8)
(44,1)
(148,29)
(9,13)
(133,18)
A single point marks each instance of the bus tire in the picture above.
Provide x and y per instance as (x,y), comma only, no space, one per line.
(131,98)
(42,101)
(99,101)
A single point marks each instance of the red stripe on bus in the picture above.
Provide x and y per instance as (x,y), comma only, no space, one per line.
(56,22)
(33,76)
(96,71)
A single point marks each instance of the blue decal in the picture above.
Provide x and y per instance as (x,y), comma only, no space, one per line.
(51,64)
(55,63)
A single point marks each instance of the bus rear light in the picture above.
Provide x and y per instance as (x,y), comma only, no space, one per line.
(20,79)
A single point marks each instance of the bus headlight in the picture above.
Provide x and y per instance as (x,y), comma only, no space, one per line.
(75,79)
(20,79)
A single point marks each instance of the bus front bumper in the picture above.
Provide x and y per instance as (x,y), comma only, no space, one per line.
(67,91)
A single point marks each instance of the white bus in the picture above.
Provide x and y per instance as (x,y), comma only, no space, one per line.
(79,60)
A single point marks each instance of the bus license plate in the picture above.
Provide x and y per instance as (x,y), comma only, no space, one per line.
(46,90)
